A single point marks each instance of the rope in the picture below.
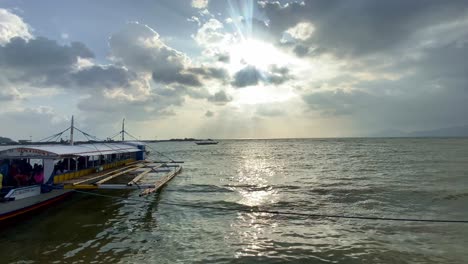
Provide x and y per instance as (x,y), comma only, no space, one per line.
(97,139)
(112,137)
(283,212)
(54,135)
(170,159)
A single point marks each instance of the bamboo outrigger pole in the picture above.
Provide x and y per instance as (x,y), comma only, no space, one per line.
(123,130)
(71,132)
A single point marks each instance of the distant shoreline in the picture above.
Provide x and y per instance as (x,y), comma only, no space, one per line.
(194,139)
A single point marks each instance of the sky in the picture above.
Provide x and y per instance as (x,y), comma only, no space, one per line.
(232,69)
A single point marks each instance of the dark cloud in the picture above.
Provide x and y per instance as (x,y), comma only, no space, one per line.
(154,104)
(224,58)
(363,27)
(41,54)
(220,97)
(301,50)
(394,104)
(413,53)
(40,61)
(209,114)
(210,72)
(250,75)
(174,77)
(103,77)
(140,48)
(278,75)
(247,76)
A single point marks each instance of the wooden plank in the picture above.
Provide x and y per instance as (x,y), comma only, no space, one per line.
(105,173)
(138,177)
(80,187)
(118,174)
(125,187)
(108,186)
(174,161)
(161,182)
(153,168)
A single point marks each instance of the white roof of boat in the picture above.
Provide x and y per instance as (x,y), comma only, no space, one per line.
(93,149)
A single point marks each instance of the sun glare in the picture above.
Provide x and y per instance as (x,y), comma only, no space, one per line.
(262,95)
(256,53)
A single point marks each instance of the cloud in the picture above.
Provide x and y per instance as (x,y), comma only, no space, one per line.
(140,48)
(224,58)
(278,75)
(383,104)
(11,26)
(200,4)
(9,94)
(209,114)
(27,120)
(210,34)
(250,75)
(301,31)
(195,20)
(210,72)
(40,61)
(341,27)
(401,65)
(301,50)
(103,77)
(220,97)
(247,76)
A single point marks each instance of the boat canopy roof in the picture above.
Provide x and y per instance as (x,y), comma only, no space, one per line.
(58,151)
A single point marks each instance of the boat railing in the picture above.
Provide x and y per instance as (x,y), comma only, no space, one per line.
(58,178)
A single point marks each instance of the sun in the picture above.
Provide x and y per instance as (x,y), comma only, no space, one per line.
(256,53)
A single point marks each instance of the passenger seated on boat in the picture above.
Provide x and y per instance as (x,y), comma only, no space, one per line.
(13,170)
(38,175)
(25,167)
(21,178)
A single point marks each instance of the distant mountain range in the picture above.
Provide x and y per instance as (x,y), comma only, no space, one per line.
(458,131)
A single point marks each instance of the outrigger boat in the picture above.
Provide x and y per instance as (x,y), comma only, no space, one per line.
(65,168)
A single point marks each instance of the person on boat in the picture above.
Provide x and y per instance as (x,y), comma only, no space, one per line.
(21,178)
(4,167)
(39,175)
(13,170)
(81,162)
(58,168)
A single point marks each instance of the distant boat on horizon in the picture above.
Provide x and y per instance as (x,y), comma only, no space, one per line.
(206,142)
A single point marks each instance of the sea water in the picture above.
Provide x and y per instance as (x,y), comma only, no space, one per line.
(409,177)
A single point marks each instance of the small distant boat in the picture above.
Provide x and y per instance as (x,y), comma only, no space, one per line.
(206,142)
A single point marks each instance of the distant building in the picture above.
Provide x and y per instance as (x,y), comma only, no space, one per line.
(24,141)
